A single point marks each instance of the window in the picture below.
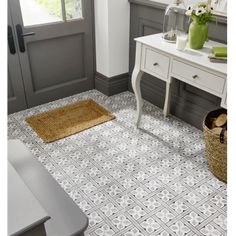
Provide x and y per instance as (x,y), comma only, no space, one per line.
(73,9)
(35,12)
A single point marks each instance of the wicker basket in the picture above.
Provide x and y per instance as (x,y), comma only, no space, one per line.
(216,147)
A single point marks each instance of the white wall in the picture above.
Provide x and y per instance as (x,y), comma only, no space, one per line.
(112,21)
(112,36)
(101,36)
(119,23)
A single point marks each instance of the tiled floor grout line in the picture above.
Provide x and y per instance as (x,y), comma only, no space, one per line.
(174,147)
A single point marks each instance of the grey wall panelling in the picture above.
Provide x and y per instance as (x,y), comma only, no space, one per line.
(187,103)
(111,85)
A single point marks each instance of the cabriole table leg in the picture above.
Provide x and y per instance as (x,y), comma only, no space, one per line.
(136,78)
(167,98)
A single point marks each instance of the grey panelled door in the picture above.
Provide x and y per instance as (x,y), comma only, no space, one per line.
(16,95)
(55,47)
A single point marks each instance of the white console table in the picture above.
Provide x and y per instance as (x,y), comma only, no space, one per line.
(162,60)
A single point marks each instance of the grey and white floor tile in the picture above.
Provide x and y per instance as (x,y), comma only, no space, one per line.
(133,182)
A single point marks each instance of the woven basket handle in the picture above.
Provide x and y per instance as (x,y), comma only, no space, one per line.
(222,134)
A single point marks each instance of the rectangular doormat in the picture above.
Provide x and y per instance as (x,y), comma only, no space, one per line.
(68,120)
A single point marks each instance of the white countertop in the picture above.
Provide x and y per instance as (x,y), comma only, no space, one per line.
(199,57)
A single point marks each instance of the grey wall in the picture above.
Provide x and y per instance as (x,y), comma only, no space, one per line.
(187,102)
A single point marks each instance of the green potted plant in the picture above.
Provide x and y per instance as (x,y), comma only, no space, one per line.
(200,13)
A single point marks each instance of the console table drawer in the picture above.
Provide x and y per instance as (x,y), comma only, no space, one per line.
(195,75)
(155,63)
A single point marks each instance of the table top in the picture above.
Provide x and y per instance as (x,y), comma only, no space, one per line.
(198,57)
(24,210)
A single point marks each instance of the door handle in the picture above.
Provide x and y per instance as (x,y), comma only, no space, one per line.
(20,36)
(195,76)
(10,39)
(28,34)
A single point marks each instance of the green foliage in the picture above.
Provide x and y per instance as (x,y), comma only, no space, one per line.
(53,7)
(200,12)
(202,19)
(69,8)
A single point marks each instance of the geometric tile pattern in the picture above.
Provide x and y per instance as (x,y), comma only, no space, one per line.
(133,182)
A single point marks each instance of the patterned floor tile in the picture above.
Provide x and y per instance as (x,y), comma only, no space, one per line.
(149,181)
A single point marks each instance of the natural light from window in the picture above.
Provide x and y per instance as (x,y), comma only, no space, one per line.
(36,12)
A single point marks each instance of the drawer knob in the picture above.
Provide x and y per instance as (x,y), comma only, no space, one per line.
(195,76)
(155,64)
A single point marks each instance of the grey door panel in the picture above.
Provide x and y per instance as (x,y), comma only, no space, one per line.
(56,68)
(58,60)
(16,95)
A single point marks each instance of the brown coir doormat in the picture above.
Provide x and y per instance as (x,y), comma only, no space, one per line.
(68,120)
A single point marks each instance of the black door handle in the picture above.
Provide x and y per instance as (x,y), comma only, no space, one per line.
(20,36)
(10,38)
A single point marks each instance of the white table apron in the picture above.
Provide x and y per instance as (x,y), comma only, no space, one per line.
(162,60)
